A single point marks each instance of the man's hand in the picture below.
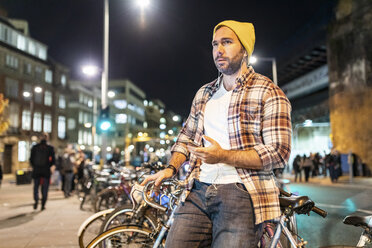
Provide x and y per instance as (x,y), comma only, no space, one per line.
(212,154)
(159,177)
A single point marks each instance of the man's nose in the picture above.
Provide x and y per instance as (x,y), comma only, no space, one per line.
(220,50)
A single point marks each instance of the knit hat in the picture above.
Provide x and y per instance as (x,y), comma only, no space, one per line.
(244,31)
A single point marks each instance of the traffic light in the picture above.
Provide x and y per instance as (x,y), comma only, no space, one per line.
(104,124)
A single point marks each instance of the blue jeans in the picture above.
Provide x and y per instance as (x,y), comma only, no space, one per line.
(216,216)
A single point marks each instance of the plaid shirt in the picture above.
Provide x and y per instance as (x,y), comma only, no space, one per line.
(259,119)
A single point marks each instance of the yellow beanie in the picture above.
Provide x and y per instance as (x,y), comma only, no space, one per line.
(244,31)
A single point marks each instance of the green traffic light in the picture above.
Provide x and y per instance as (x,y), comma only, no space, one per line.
(105,125)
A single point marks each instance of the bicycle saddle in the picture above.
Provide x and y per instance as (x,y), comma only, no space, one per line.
(364,221)
(299,204)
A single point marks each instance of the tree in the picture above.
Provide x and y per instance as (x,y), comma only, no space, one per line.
(4,123)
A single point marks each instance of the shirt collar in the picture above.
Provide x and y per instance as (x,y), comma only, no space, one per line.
(240,81)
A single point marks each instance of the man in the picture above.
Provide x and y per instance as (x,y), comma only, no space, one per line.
(42,159)
(241,123)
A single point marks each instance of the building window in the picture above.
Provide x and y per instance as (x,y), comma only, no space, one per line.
(63,79)
(21,42)
(61,127)
(38,73)
(71,124)
(22,151)
(27,68)
(90,102)
(11,61)
(81,117)
(47,123)
(26,120)
(48,98)
(31,47)
(48,76)
(38,97)
(42,52)
(120,104)
(80,137)
(37,122)
(62,102)
(11,87)
(14,115)
(121,118)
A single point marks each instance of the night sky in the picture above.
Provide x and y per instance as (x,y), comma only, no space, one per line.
(170,57)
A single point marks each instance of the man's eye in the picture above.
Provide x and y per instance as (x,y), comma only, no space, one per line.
(226,42)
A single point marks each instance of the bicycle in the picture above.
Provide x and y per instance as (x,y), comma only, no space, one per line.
(140,236)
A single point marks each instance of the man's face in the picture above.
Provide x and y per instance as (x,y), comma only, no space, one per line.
(227,51)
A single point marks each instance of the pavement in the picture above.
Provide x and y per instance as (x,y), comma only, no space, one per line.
(23,227)
(57,226)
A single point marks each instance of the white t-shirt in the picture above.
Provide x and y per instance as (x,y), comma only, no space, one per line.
(216,127)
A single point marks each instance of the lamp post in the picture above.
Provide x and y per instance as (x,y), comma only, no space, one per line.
(253,60)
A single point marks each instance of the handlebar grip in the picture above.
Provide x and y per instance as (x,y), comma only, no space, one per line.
(319,211)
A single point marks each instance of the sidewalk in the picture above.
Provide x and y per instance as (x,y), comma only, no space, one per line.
(21,226)
(343,181)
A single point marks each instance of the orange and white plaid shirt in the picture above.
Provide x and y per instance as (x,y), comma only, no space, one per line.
(258,118)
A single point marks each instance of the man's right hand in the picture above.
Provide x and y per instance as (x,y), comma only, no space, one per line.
(159,177)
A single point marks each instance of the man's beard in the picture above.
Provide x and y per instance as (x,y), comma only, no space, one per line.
(232,66)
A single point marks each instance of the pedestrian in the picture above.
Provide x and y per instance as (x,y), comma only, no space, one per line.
(334,165)
(42,159)
(238,131)
(68,164)
(297,168)
(115,156)
(307,165)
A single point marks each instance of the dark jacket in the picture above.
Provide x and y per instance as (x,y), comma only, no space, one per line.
(41,159)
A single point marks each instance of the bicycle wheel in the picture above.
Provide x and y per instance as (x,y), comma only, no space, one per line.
(124,216)
(106,199)
(91,227)
(124,236)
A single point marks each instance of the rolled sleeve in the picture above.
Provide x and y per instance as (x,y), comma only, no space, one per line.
(276,132)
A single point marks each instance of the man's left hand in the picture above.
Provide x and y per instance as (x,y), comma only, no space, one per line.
(212,154)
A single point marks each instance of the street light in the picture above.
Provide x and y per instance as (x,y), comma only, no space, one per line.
(253,60)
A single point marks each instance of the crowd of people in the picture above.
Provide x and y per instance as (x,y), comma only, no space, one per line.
(327,165)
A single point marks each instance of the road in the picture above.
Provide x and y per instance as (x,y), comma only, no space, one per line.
(339,202)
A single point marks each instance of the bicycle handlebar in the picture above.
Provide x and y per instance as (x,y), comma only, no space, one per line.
(319,211)
(170,182)
(315,209)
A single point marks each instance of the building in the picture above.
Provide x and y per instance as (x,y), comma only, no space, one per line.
(37,89)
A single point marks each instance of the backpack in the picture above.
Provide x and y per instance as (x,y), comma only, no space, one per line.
(67,165)
(41,154)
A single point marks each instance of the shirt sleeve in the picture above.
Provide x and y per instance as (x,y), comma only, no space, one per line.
(188,130)
(276,131)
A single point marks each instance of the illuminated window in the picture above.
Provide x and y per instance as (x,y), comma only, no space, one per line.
(47,123)
(37,122)
(63,80)
(121,118)
(48,76)
(48,98)
(62,102)
(22,151)
(61,127)
(11,61)
(71,124)
(26,119)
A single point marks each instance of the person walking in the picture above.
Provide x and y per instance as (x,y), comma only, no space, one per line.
(307,165)
(68,164)
(237,132)
(42,159)
(297,168)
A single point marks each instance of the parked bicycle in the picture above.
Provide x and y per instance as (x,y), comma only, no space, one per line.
(280,234)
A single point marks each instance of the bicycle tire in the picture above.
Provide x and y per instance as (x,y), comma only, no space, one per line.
(86,233)
(106,199)
(129,236)
(118,217)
